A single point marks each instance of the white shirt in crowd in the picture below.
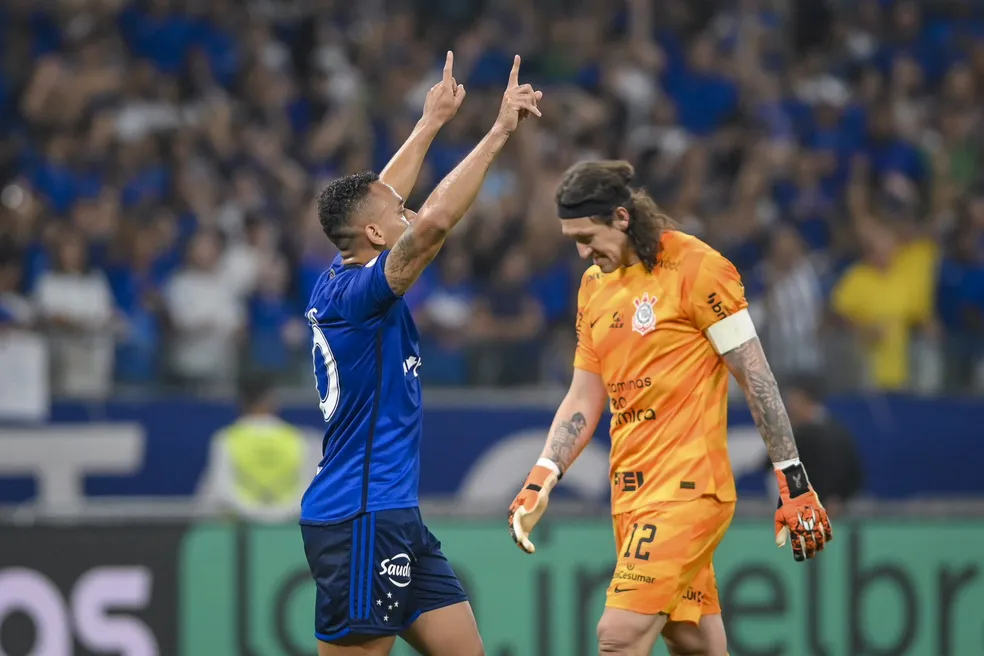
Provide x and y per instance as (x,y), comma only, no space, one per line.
(206,312)
(82,355)
(241,268)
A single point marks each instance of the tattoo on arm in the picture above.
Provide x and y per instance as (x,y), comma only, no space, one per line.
(751,369)
(562,445)
(406,261)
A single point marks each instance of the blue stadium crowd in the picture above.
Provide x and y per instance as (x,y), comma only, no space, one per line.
(159,160)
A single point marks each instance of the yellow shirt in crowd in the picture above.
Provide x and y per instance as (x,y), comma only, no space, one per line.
(892,300)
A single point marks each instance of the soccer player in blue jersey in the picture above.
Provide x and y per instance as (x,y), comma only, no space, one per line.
(379,572)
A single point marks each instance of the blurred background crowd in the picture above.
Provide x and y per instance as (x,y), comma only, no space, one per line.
(159,160)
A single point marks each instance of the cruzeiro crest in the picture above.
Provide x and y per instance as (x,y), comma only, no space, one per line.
(644,319)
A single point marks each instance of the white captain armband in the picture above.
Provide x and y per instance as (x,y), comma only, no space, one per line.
(731,332)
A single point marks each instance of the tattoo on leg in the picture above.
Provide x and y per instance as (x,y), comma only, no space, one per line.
(751,369)
(562,445)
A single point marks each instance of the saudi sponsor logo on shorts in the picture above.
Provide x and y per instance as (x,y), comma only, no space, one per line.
(396,569)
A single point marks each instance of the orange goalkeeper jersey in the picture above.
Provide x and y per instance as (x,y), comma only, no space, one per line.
(644,334)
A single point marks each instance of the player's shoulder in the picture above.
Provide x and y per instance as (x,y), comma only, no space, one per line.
(681,246)
(690,253)
(592,276)
(340,292)
(330,283)
(593,283)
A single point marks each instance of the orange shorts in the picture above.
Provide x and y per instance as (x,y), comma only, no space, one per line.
(664,558)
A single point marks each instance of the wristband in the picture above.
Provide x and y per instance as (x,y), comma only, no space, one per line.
(797,482)
(551,465)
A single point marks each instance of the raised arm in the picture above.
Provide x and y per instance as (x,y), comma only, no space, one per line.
(454,195)
(440,106)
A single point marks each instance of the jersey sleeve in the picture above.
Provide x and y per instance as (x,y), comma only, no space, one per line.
(718,306)
(366,296)
(584,355)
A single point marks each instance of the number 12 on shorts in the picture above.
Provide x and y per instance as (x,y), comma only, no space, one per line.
(646,536)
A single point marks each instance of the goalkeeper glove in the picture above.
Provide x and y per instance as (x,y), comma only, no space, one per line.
(531,502)
(800,514)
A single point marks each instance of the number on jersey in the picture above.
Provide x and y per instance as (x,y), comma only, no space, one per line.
(325,369)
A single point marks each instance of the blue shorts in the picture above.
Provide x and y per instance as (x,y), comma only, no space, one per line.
(377,573)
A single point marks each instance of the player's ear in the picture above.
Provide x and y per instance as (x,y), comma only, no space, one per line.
(375,235)
(621,219)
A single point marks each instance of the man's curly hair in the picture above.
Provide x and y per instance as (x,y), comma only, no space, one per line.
(610,179)
(339,202)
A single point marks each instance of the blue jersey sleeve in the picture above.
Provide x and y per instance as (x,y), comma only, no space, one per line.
(366,296)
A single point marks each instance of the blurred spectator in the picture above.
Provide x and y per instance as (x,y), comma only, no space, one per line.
(258,466)
(879,299)
(444,309)
(136,277)
(15,310)
(75,306)
(206,314)
(246,256)
(960,299)
(793,306)
(506,323)
(275,330)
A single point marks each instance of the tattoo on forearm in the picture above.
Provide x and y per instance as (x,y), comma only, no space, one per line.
(751,369)
(562,444)
(402,265)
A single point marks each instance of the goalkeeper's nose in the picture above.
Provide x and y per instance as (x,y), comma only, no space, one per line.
(584,251)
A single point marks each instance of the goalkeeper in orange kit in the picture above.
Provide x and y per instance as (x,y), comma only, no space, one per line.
(661,320)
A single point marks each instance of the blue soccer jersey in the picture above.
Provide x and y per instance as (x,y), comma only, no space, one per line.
(366,358)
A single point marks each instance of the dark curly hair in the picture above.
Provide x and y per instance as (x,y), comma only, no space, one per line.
(609,180)
(339,202)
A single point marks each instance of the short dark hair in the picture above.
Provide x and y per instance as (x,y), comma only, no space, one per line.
(339,201)
(607,180)
(254,389)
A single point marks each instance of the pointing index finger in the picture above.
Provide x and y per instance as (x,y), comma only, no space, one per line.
(514,73)
(448,63)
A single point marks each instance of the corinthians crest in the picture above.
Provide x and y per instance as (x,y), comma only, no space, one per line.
(644,319)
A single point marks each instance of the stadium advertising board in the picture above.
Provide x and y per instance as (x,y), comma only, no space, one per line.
(82,591)
(160,449)
(900,588)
